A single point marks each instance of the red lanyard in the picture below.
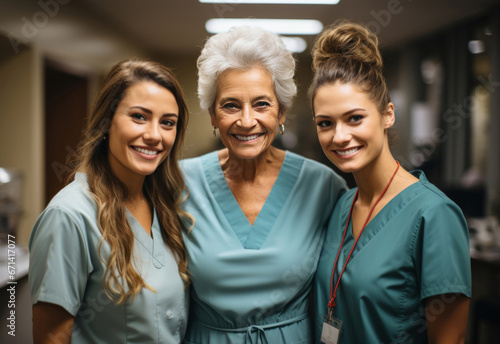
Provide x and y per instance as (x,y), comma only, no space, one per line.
(333,292)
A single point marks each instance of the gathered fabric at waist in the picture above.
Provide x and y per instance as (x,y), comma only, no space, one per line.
(257,330)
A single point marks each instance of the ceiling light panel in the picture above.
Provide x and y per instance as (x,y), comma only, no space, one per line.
(279,26)
(288,2)
(295,44)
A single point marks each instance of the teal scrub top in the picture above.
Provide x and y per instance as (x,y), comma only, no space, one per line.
(250,284)
(417,246)
(66,270)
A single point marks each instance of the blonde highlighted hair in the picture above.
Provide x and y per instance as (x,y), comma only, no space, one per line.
(163,188)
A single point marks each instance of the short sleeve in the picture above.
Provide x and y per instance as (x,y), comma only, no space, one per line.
(59,260)
(442,254)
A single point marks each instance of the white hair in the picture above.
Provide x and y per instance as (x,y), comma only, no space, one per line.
(244,47)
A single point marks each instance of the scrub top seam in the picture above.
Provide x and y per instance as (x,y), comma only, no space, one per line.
(44,296)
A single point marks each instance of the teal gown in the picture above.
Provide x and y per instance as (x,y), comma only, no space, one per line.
(251,284)
(417,246)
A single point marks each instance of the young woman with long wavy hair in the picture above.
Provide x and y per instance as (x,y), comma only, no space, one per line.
(108,262)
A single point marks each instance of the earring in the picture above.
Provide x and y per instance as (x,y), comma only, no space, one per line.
(282,129)
(215,131)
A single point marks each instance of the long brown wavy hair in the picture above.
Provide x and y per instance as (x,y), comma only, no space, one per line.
(163,188)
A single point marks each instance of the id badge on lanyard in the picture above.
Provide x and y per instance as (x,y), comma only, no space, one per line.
(331,330)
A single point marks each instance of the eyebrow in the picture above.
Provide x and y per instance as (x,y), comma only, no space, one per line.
(151,112)
(142,108)
(265,97)
(347,113)
(262,97)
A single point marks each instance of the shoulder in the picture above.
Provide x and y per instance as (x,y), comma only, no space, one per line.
(313,168)
(348,196)
(194,165)
(431,198)
(196,170)
(315,177)
(74,198)
(345,200)
(435,213)
(70,213)
(185,163)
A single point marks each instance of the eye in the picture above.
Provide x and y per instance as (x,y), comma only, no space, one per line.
(138,116)
(355,118)
(324,124)
(168,123)
(262,103)
(229,106)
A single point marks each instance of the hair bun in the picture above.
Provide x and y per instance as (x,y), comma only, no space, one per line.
(347,41)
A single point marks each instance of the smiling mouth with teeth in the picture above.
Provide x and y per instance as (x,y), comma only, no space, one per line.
(347,152)
(145,151)
(247,138)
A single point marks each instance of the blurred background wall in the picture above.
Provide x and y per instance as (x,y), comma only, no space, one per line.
(442,61)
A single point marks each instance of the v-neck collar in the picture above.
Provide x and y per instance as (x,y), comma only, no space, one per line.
(150,244)
(252,237)
(380,220)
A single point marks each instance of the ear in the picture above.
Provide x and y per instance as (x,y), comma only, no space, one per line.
(389,116)
(212,118)
(281,116)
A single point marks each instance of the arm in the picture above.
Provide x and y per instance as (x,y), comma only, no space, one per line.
(52,324)
(445,272)
(57,288)
(447,318)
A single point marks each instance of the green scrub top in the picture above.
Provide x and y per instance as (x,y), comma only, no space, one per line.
(66,270)
(417,246)
(251,284)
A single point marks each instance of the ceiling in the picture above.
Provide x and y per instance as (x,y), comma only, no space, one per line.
(179,25)
(95,28)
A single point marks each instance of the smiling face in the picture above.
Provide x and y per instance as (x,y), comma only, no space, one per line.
(246,112)
(142,131)
(351,130)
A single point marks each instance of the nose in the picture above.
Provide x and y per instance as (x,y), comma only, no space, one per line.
(247,119)
(152,133)
(341,135)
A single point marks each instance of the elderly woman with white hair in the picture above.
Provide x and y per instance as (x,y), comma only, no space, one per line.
(260,212)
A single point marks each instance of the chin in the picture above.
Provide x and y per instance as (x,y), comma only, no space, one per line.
(247,155)
(345,167)
(145,171)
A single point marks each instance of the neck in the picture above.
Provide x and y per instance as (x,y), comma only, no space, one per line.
(134,185)
(135,194)
(133,181)
(373,179)
(248,169)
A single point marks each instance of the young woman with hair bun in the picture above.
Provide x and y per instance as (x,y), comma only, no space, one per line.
(395,265)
